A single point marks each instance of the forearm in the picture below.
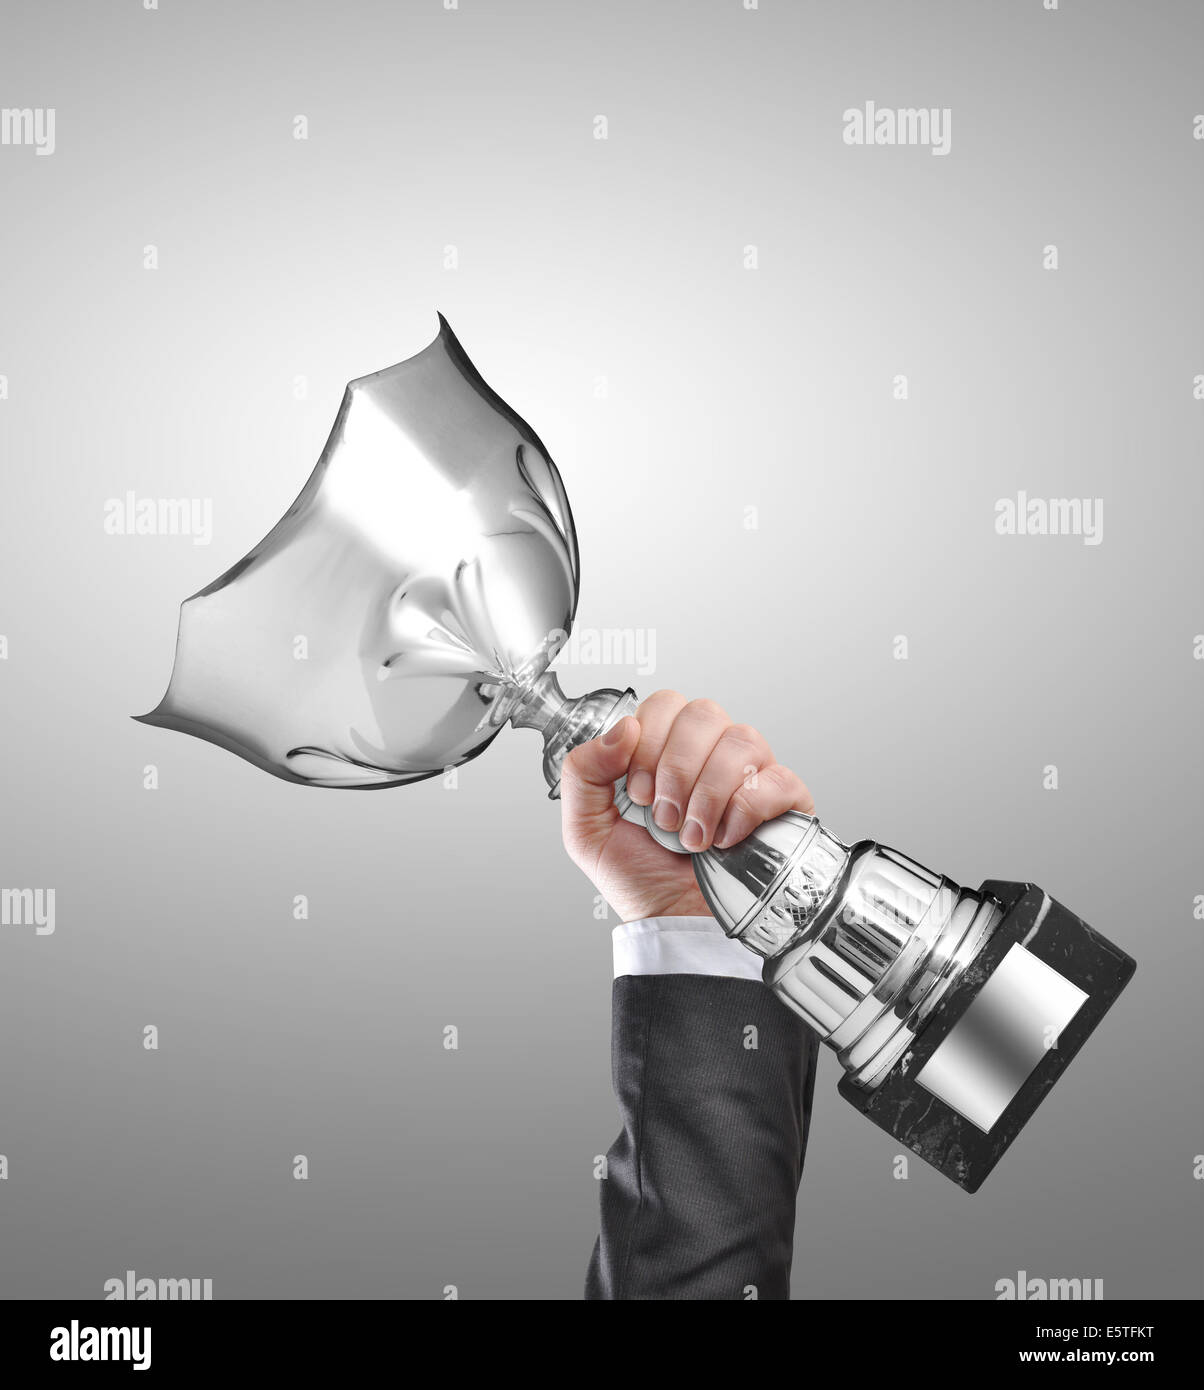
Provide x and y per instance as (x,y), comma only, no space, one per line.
(714,1079)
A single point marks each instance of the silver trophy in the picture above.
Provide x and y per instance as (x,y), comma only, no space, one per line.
(428,573)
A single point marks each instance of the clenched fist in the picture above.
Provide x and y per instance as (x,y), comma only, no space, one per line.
(710,780)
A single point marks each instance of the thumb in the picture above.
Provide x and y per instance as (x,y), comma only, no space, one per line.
(589,774)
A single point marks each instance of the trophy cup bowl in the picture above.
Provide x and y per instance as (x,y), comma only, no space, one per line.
(388,625)
(410,603)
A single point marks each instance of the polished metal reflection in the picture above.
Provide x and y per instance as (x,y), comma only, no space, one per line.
(390,623)
(859,940)
(992,1050)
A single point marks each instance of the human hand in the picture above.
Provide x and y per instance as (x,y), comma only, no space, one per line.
(709,779)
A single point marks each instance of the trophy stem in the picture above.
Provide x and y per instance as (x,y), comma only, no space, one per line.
(567,723)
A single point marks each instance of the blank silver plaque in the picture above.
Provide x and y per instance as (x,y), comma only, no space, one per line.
(993,1048)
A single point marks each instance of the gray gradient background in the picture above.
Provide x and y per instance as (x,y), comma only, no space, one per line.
(727,388)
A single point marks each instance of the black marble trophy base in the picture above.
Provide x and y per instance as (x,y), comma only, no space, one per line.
(926,1124)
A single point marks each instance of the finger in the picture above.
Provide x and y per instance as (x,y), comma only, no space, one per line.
(656,716)
(589,773)
(738,756)
(695,732)
(768,793)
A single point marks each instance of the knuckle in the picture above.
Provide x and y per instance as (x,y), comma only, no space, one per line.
(706,803)
(779,779)
(662,697)
(743,803)
(673,769)
(743,736)
(706,710)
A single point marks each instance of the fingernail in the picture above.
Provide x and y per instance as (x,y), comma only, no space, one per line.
(613,734)
(640,787)
(666,813)
(692,835)
(720,840)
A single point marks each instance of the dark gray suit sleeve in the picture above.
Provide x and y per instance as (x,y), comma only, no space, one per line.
(698,1201)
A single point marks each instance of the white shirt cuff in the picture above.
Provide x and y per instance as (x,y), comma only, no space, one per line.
(681,946)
